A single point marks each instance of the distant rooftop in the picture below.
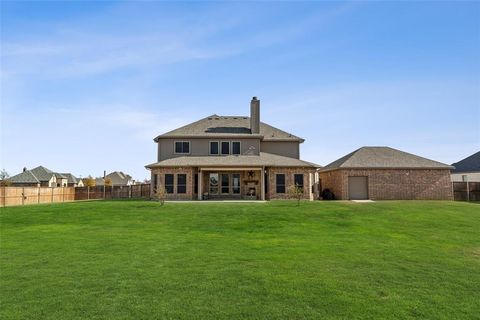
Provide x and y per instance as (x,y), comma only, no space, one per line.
(469,164)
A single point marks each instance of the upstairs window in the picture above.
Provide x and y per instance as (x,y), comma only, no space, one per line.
(236,147)
(225,147)
(298,180)
(214,147)
(182,147)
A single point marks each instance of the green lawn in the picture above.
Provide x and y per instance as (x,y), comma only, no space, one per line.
(336,260)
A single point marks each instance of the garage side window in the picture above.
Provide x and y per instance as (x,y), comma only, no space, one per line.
(280,183)
(169,183)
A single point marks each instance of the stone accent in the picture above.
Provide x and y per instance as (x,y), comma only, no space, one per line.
(308,181)
(393,184)
(189,195)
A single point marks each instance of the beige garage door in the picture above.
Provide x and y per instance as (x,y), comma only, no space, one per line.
(358,188)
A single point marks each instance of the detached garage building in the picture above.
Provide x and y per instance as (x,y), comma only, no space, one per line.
(383,173)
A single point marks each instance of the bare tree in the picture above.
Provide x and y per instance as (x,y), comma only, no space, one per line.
(161,195)
(4,174)
(295,192)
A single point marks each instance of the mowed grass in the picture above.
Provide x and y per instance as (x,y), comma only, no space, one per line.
(335,260)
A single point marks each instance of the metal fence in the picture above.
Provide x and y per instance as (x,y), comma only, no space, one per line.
(466,191)
(113,192)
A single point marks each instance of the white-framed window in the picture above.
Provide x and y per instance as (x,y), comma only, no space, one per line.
(214,148)
(182,147)
(236,147)
(225,147)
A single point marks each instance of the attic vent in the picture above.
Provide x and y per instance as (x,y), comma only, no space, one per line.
(217,118)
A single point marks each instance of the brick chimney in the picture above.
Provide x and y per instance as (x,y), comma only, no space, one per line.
(255,115)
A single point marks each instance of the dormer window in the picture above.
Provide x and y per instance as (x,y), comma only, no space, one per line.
(225,147)
(214,147)
(182,147)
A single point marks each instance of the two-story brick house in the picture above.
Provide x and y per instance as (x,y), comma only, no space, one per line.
(230,157)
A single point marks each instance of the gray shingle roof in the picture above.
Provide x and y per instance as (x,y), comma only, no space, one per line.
(70,178)
(264,159)
(236,126)
(383,157)
(60,176)
(42,173)
(24,177)
(469,164)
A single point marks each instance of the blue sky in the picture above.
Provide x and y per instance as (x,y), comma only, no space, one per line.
(86,86)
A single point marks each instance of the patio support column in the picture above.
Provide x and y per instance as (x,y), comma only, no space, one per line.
(200,184)
(262,185)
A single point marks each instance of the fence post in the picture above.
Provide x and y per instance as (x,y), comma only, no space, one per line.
(468,190)
(23,196)
(52,194)
(88,192)
(104,191)
(63,194)
(38,195)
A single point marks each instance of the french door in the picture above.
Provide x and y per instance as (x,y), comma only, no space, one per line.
(225,183)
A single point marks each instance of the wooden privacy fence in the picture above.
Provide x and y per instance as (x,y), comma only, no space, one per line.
(113,192)
(466,191)
(15,196)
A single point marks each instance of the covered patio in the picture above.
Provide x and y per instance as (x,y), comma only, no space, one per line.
(239,183)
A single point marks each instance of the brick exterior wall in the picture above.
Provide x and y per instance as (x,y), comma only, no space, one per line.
(393,184)
(308,181)
(190,172)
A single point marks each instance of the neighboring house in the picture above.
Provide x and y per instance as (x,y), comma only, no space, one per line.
(39,176)
(467,170)
(72,181)
(382,173)
(118,178)
(230,157)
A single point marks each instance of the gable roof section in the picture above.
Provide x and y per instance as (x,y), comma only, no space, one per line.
(228,126)
(24,177)
(469,164)
(42,173)
(383,158)
(119,178)
(265,159)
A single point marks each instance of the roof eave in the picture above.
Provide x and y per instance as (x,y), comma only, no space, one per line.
(385,168)
(203,136)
